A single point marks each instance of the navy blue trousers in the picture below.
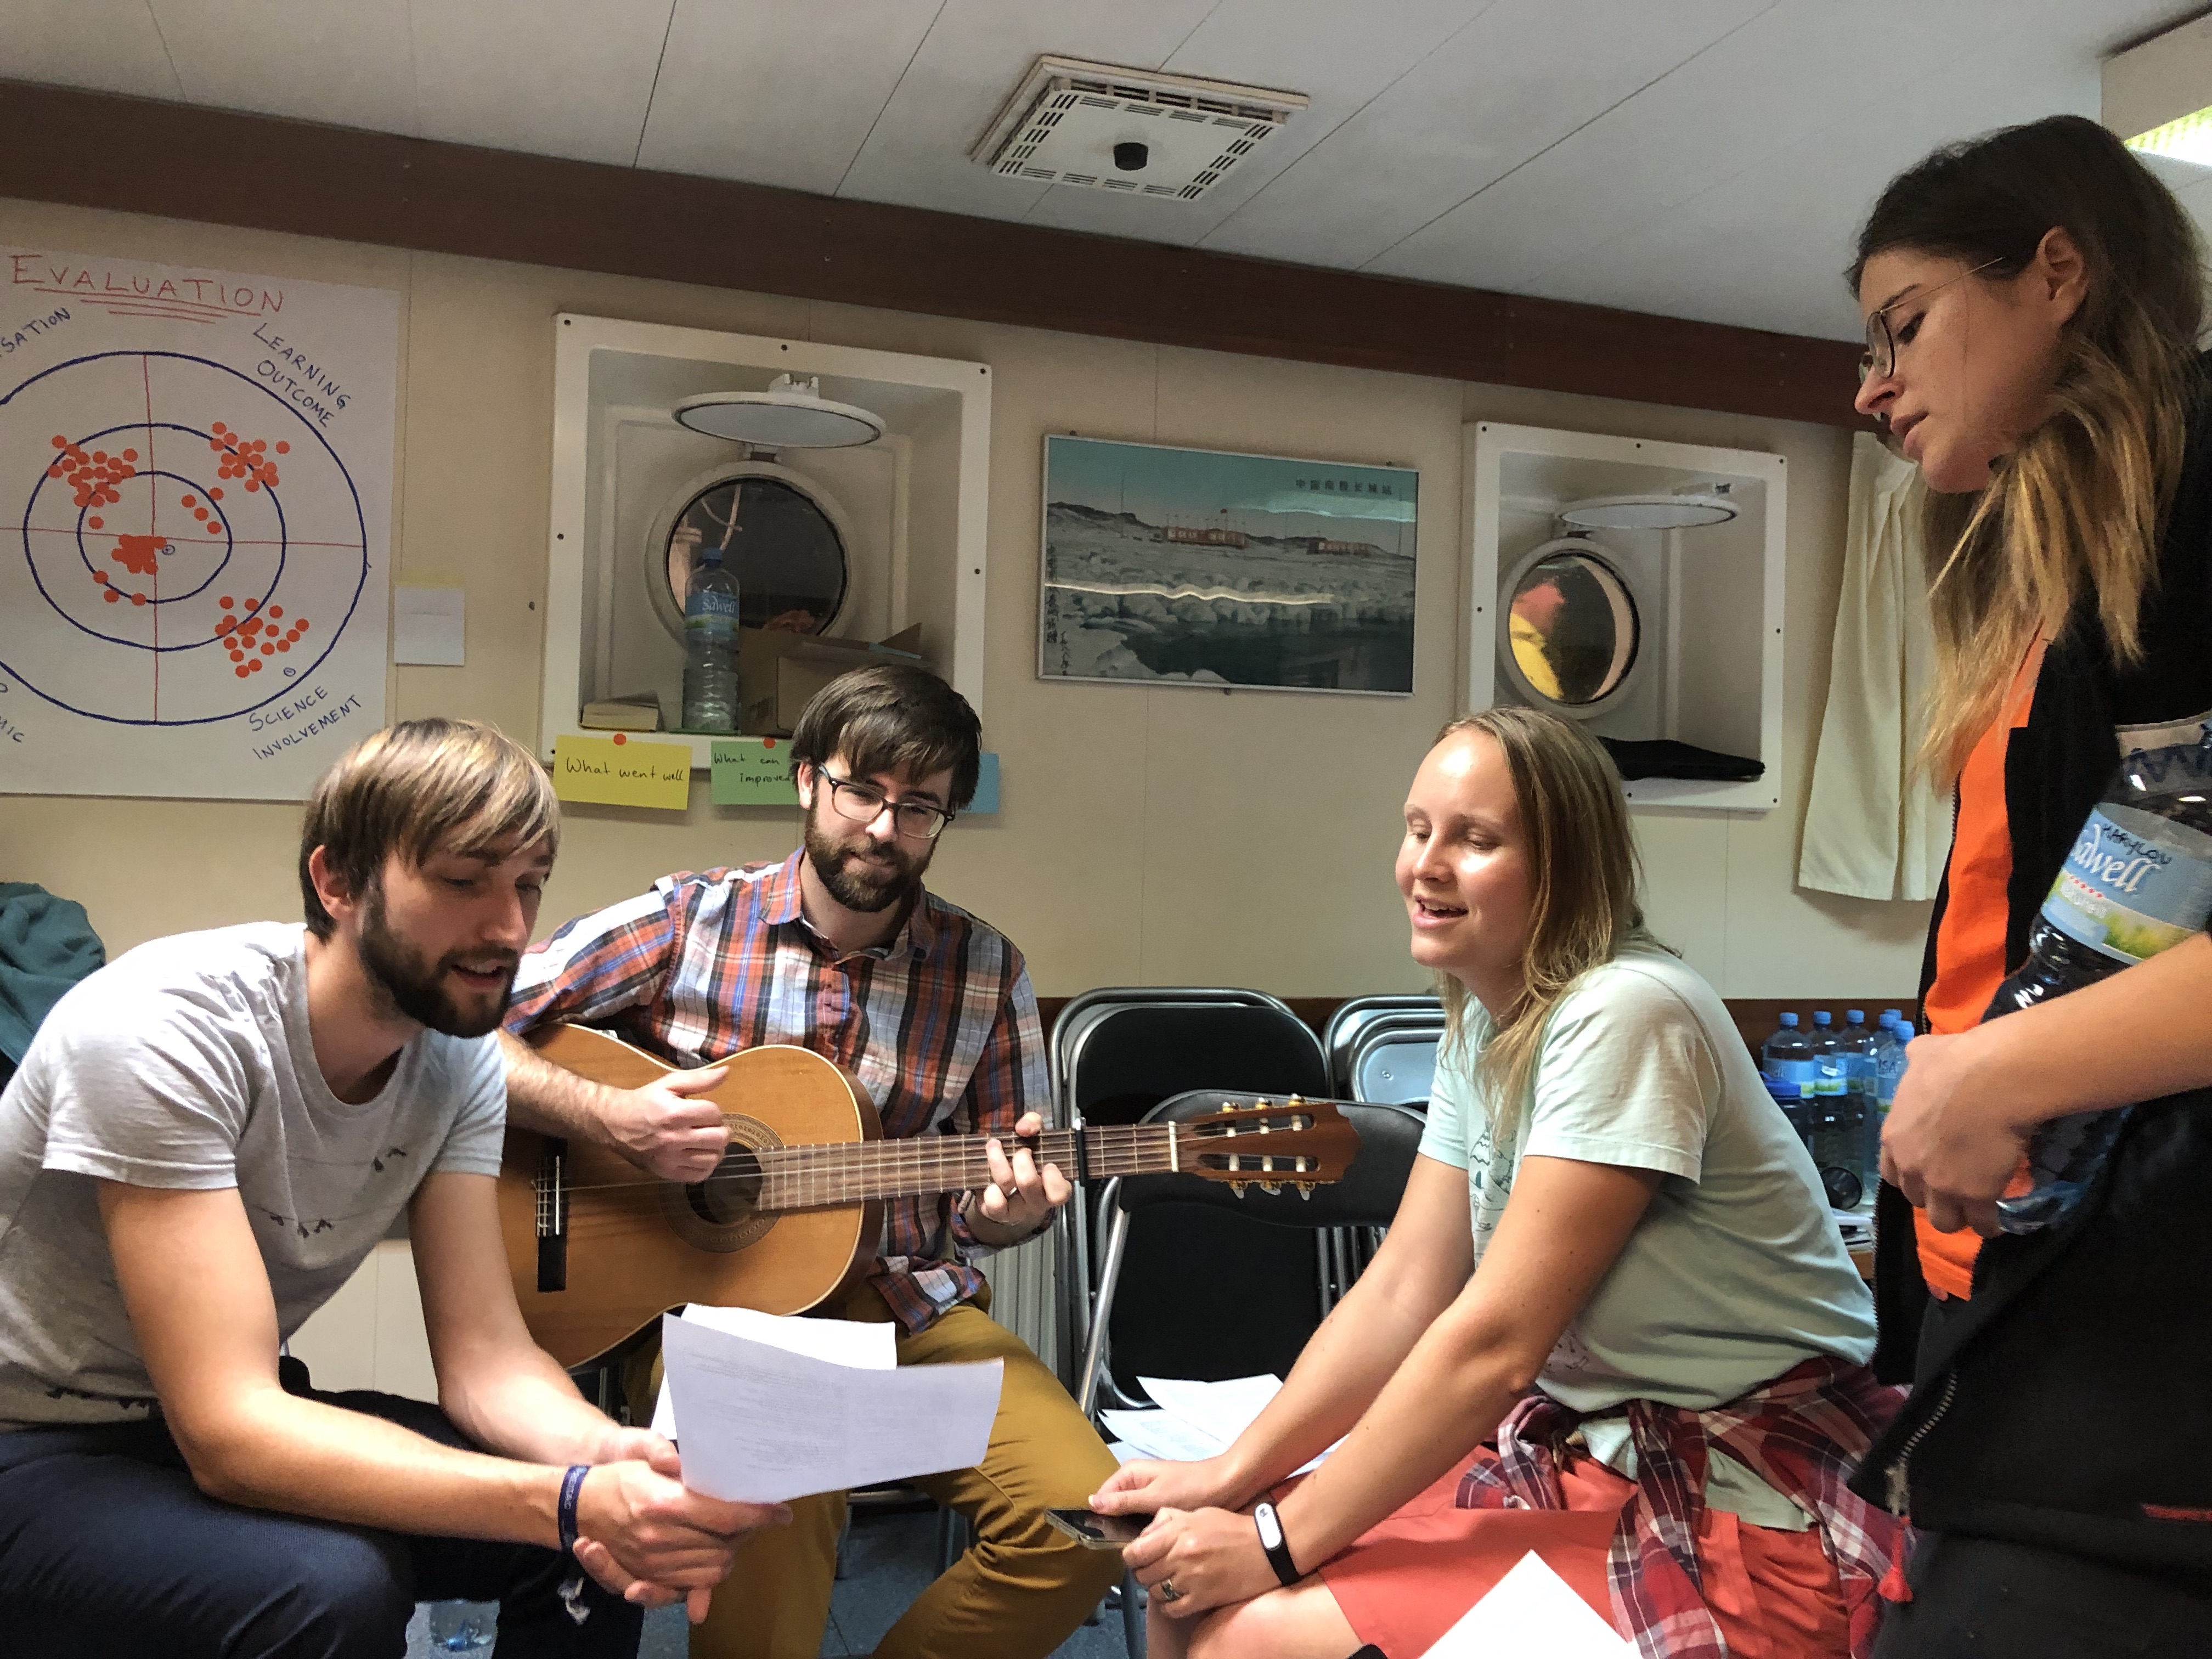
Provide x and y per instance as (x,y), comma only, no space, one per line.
(107,1547)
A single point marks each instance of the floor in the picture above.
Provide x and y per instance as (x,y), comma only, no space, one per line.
(888,1558)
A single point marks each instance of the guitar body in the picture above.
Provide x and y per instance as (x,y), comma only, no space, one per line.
(633,1246)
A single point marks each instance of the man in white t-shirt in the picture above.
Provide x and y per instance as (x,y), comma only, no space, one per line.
(205,1141)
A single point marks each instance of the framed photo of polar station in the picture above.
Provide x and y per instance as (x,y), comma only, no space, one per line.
(1196,566)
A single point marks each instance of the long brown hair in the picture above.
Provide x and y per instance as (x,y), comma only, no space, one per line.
(2080,503)
(1587,902)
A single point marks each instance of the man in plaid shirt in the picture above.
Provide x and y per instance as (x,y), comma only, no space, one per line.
(840,949)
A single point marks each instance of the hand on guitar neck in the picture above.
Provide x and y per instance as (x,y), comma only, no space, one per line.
(664,1126)
(1021,1196)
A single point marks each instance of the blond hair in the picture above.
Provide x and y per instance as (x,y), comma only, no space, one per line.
(1586,904)
(420,789)
(2079,508)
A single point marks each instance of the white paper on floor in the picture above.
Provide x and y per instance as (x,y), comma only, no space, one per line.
(1531,1611)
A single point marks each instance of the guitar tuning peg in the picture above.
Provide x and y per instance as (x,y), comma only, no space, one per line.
(1305,1189)
(1271,1186)
(1237,1187)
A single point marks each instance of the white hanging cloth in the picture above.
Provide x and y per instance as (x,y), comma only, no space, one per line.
(1872,828)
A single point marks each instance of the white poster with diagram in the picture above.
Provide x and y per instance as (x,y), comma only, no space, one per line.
(195,526)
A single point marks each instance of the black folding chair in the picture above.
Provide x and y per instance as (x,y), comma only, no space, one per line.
(1187,1287)
(1262,1297)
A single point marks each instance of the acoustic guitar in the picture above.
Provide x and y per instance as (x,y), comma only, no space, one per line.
(600,1248)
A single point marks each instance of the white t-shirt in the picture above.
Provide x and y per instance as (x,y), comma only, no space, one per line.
(1737,1270)
(188,1063)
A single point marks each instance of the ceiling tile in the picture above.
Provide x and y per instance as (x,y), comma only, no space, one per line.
(102,46)
(776,94)
(1339,56)
(575,83)
(973,57)
(1520,77)
(1767,248)
(348,63)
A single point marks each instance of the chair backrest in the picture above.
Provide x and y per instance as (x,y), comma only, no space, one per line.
(1125,1058)
(1354,1016)
(1395,1059)
(1213,1285)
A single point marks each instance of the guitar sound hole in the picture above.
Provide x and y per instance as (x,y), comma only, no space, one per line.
(730,1196)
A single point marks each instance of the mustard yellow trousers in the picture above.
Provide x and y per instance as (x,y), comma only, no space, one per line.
(1018,1593)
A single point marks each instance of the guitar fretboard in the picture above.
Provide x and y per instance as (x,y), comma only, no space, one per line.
(805,1177)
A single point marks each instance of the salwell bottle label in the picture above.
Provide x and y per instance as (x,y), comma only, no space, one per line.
(2135,884)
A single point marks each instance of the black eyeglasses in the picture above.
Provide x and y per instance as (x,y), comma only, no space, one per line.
(863,803)
(1881,358)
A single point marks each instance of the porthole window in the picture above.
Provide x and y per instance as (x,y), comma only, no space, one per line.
(782,541)
(1573,634)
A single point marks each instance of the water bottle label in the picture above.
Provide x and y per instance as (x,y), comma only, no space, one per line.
(711,613)
(2134,884)
(1793,1070)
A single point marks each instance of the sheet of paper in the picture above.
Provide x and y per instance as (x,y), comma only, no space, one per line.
(1531,1611)
(752,772)
(618,771)
(429,625)
(1161,1434)
(1224,1410)
(763,1424)
(1217,1412)
(841,1341)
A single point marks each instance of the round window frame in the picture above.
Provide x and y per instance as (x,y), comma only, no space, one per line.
(662,598)
(1604,558)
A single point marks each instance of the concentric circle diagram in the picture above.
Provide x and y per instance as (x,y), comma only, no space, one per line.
(190,546)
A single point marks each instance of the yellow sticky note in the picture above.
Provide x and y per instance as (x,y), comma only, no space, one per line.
(618,772)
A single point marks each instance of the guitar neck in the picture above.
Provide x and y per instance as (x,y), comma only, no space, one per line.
(805,1177)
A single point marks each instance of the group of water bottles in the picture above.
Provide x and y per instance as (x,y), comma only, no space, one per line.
(1835,1085)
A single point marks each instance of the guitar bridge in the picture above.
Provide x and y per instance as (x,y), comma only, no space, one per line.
(550,1185)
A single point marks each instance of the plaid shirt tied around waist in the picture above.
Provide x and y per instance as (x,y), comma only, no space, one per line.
(1801,1434)
(941,1025)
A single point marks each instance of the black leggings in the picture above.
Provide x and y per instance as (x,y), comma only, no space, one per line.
(107,1547)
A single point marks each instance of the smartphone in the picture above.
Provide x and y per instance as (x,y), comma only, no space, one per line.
(1095,1531)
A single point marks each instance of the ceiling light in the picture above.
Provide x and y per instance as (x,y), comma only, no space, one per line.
(2157,94)
(1685,510)
(790,415)
(1133,131)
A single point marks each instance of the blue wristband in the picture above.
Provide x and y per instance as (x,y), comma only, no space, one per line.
(572,1488)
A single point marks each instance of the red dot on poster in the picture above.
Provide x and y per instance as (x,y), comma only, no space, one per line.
(283,645)
(111,596)
(255,664)
(137,598)
(94,523)
(253,604)
(283,448)
(767,743)
(276,610)
(184,501)
(60,442)
(214,494)
(619,738)
(226,602)
(129,454)
(239,671)
(268,650)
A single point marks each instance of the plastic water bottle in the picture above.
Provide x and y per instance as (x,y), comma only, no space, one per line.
(1827,1059)
(710,646)
(1791,1098)
(1888,1059)
(1855,1055)
(1787,1056)
(2138,881)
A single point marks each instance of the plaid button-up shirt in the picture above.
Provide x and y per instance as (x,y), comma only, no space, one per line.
(941,1025)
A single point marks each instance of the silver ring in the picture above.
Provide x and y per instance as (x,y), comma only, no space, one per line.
(1169,1592)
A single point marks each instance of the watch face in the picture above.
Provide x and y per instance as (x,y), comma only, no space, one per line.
(1271,1529)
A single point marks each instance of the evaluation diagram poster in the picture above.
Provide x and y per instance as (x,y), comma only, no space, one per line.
(195,526)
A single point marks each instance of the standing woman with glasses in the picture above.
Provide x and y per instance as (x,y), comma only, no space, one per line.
(2033,303)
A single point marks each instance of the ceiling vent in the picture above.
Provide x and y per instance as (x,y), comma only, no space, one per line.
(1130,130)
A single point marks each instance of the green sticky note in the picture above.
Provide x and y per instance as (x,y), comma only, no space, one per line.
(753,772)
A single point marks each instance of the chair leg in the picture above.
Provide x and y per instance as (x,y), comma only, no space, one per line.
(1132,1615)
(844,1537)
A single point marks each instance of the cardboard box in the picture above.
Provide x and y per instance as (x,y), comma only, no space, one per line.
(778,674)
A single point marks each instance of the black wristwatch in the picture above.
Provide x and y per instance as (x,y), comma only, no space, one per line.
(1271,1540)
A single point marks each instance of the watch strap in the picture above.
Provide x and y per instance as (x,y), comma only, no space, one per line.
(1276,1546)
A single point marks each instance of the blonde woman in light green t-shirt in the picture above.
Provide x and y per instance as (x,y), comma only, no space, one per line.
(1614,1321)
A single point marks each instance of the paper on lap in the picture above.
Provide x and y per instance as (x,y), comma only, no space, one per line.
(767,1424)
(1531,1611)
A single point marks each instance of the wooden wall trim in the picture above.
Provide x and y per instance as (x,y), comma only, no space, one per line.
(93,149)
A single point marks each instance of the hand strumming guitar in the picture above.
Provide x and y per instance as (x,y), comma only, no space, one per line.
(1021,1197)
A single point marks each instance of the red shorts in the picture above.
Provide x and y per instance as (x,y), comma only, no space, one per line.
(1774,1594)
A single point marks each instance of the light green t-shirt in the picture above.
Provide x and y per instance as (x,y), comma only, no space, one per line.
(1737,1270)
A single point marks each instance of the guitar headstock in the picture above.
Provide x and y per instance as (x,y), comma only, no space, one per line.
(1300,1143)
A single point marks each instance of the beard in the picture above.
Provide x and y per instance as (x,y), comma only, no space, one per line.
(417,988)
(867,878)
